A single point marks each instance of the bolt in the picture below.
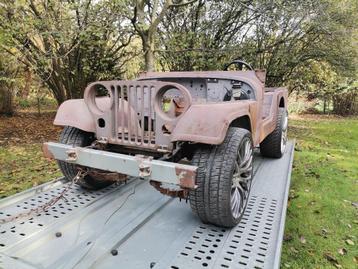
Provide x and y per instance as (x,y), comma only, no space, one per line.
(114,252)
(58,234)
(152,264)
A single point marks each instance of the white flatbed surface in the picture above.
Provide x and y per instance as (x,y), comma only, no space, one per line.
(134,226)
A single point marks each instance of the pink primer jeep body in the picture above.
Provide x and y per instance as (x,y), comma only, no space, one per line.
(206,117)
(191,134)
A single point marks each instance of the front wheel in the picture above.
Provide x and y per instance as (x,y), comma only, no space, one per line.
(224,179)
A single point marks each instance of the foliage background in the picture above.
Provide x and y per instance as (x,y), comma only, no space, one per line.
(61,46)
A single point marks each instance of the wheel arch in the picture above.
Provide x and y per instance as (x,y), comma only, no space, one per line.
(282,102)
(242,122)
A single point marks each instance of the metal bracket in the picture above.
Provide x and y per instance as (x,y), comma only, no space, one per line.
(71,155)
(103,140)
(144,165)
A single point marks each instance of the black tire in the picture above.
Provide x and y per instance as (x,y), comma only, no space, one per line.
(211,201)
(76,137)
(274,144)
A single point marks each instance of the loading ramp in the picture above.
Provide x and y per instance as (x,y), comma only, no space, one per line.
(134,226)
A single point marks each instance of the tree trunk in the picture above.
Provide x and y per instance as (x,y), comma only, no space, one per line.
(28,79)
(148,49)
(6,100)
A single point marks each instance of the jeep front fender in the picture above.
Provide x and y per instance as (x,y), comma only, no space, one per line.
(208,123)
(76,114)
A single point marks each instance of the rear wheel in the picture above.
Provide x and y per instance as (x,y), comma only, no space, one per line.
(224,179)
(274,145)
(78,138)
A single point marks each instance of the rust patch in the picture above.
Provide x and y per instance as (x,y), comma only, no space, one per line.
(47,153)
(107,176)
(186,177)
(183,193)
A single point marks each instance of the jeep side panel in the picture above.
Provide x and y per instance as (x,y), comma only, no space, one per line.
(273,99)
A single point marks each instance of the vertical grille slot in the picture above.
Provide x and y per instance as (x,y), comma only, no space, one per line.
(129,116)
(116,111)
(142,123)
(121,115)
(150,115)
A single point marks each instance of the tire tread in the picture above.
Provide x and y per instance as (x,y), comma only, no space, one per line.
(211,200)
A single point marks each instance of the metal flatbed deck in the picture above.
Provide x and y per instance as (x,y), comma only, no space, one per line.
(134,226)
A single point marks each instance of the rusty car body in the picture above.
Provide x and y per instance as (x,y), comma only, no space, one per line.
(176,129)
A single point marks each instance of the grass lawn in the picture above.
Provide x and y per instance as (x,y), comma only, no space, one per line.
(322,221)
(23,167)
(322,217)
(22,164)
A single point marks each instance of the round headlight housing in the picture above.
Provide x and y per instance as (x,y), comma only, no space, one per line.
(99,98)
(172,101)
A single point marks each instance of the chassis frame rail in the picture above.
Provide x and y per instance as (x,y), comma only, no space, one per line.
(134,226)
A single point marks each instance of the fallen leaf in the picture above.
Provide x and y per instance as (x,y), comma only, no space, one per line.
(330,257)
(350,242)
(293,196)
(287,237)
(293,250)
(302,239)
(324,233)
(342,251)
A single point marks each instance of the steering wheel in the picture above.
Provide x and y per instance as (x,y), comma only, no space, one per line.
(240,64)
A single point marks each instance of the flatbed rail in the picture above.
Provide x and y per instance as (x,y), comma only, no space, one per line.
(134,226)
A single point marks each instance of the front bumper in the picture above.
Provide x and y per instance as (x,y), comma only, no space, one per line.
(136,166)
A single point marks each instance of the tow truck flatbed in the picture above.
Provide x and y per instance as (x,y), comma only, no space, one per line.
(134,226)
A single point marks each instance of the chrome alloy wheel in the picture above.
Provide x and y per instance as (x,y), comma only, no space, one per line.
(242,178)
(284,133)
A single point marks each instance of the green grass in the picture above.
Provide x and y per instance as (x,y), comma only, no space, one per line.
(321,216)
(22,167)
